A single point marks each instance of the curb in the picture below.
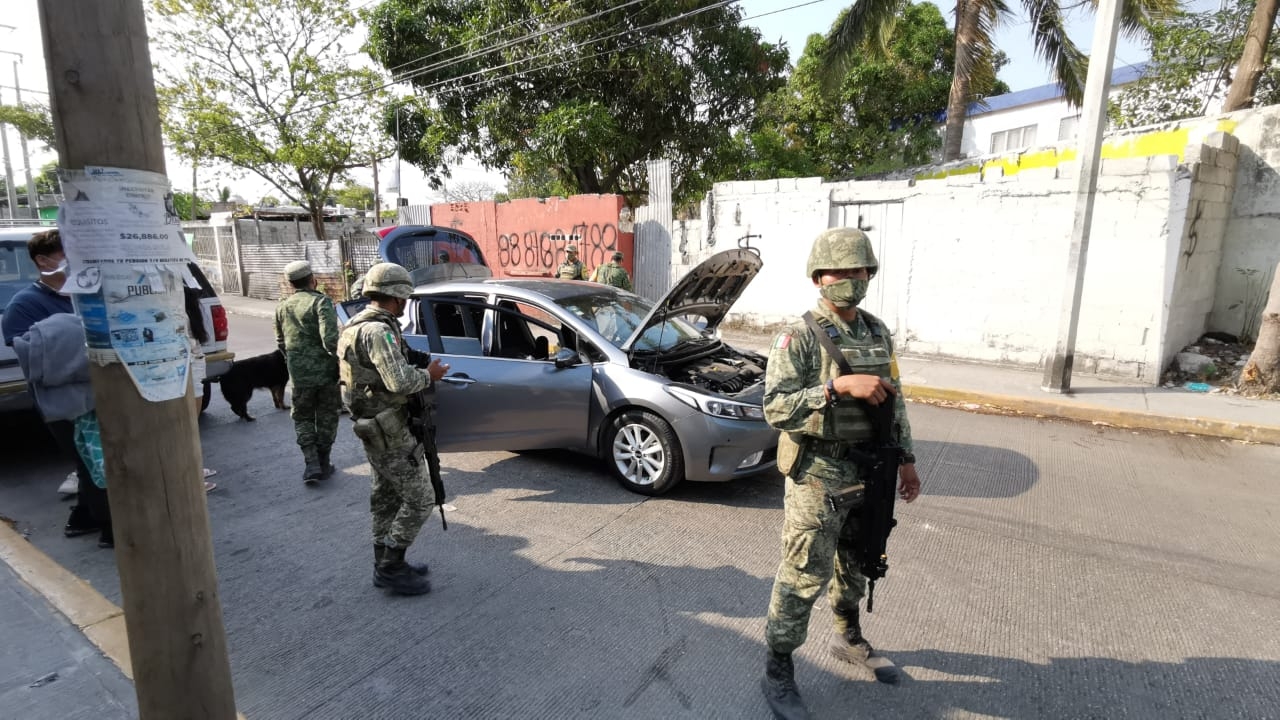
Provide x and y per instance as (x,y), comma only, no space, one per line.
(1131,419)
(101,620)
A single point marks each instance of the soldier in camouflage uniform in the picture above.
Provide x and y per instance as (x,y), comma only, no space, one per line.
(379,378)
(613,273)
(307,333)
(818,412)
(572,268)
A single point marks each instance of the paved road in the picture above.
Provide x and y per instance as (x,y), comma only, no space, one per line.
(1050,570)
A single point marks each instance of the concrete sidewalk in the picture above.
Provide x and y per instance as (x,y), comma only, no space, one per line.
(996,388)
(62,642)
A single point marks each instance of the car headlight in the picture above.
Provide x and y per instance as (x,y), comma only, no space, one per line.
(717,406)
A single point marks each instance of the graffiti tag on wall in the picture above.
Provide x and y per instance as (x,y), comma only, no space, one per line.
(534,251)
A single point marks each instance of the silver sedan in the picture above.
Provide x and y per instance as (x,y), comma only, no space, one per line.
(547,363)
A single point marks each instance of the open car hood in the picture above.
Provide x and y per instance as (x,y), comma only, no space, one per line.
(709,290)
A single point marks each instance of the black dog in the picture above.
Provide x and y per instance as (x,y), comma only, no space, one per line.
(261,371)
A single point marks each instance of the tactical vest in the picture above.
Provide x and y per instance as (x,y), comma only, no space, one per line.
(570,270)
(829,432)
(611,275)
(368,396)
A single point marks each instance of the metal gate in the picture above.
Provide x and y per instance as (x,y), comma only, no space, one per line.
(882,222)
(652,277)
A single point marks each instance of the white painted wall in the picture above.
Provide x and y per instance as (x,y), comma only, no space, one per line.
(973,267)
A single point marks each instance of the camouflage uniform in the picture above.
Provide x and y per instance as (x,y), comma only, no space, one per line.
(817,543)
(571,269)
(613,274)
(379,377)
(307,331)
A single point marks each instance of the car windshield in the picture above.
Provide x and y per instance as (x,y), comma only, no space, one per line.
(16,271)
(617,315)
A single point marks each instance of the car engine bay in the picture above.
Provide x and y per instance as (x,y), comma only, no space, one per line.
(714,366)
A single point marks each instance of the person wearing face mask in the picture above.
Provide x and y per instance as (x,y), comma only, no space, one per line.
(373,362)
(823,414)
(30,305)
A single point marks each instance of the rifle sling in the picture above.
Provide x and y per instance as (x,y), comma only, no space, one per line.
(825,338)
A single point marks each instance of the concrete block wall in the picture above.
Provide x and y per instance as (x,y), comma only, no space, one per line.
(1193,264)
(973,266)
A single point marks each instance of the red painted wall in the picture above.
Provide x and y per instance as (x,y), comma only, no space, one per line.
(526,238)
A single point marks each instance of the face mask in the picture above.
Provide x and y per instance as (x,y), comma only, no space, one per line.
(60,270)
(845,293)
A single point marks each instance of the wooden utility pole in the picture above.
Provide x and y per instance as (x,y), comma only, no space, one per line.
(1057,371)
(105,113)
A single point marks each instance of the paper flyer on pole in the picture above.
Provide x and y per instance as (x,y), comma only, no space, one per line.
(126,262)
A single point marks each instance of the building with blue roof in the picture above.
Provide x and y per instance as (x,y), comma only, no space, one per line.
(1029,118)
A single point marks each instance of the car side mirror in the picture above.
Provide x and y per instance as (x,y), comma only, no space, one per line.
(567,358)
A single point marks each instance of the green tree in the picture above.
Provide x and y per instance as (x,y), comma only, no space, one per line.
(182,203)
(354,195)
(1191,64)
(30,120)
(976,21)
(882,115)
(590,101)
(269,201)
(47,182)
(267,87)
(1252,65)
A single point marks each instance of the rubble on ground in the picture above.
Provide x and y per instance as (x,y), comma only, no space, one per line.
(1211,364)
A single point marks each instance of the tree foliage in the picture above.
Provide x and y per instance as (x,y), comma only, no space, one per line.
(355,195)
(469,191)
(1192,59)
(30,120)
(868,24)
(267,87)
(882,114)
(589,101)
(182,204)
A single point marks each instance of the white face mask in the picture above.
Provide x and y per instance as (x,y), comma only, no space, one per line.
(60,270)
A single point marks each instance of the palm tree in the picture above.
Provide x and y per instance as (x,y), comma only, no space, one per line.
(869,23)
(1249,71)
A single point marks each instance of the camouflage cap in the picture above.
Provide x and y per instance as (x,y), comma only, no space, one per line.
(388,279)
(842,249)
(297,270)
(617,255)
(571,248)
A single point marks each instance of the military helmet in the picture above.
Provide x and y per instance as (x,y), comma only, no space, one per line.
(388,279)
(841,249)
(571,248)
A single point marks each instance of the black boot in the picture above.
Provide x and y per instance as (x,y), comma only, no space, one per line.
(779,686)
(326,467)
(852,647)
(394,573)
(312,472)
(379,551)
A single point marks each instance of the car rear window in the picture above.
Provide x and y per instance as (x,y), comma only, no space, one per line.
(16,271)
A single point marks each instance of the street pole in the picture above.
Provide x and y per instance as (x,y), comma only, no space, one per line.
(32,198)
(377,199)
(105,113)
(8,168)
(1057,371)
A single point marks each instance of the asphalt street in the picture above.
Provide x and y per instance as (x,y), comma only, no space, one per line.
(1050,570)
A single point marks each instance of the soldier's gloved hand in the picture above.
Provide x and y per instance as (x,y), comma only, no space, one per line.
(437,370)
(417,358)
(872,388)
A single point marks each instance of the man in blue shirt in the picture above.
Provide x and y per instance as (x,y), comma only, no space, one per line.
(28,307)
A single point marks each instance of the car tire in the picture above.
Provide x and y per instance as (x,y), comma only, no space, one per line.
(643,453)
(208,393)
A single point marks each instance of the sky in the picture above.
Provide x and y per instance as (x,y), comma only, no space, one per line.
(778,20)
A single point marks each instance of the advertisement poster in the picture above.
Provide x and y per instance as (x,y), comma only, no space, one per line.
(126,266)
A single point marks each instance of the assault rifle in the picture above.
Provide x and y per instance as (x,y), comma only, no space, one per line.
(422,426)
(875,518)
(880,463)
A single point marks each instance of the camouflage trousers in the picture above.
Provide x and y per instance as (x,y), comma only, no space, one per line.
(399,496)
(315,414)
(817,550)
